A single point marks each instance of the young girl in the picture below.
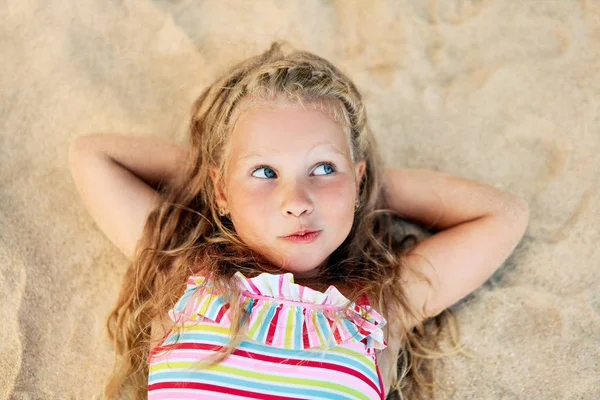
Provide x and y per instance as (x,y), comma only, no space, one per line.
(264,263)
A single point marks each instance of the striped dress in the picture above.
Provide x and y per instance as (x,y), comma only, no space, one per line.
(293,349)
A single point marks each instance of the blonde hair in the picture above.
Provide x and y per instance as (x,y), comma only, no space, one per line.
(185,235)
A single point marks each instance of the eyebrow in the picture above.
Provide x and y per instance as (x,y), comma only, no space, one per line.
(330,144)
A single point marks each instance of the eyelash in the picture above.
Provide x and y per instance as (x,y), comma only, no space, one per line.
(318,165)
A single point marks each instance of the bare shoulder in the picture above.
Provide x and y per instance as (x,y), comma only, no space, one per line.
(161,325)
(159,328)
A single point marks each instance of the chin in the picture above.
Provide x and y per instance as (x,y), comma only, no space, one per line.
(298,264)
(305,270)
(299,268)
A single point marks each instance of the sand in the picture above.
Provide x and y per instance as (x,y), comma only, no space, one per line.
(503,92)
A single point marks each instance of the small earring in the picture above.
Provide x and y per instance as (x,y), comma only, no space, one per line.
(221,212)
(356,204)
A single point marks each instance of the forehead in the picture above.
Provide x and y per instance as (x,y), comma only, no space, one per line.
(287,129)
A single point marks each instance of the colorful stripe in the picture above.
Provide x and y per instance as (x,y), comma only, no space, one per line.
(293,348)
(258,371)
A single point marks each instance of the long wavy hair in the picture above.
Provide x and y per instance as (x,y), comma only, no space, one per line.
(185,235)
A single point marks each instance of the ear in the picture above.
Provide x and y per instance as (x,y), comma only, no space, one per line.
(220,197)
(360,171)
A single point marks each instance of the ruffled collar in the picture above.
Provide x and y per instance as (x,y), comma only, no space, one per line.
(282,287)
(285,314)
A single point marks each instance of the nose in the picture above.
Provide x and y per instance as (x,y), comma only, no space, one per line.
(296,201)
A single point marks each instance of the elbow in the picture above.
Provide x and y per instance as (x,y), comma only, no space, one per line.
(81,147)
(522,207)
(515,207)
(75,150)
(519,214)
(514,211)
(79,143)
(76,145)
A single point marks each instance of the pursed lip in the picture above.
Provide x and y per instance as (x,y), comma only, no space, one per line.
(301,232)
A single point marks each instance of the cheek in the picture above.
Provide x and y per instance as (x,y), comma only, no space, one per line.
(249,207)
(337,199)
(250,199)
(251,215)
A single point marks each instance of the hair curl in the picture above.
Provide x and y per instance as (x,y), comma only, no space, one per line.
(185,235)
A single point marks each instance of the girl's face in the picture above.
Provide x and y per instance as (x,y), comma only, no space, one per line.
(289,168)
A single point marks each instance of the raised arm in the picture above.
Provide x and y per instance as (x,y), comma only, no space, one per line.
(117,176)
(479,227)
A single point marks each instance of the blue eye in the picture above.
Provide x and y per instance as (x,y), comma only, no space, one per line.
(265,168)
(326,165)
